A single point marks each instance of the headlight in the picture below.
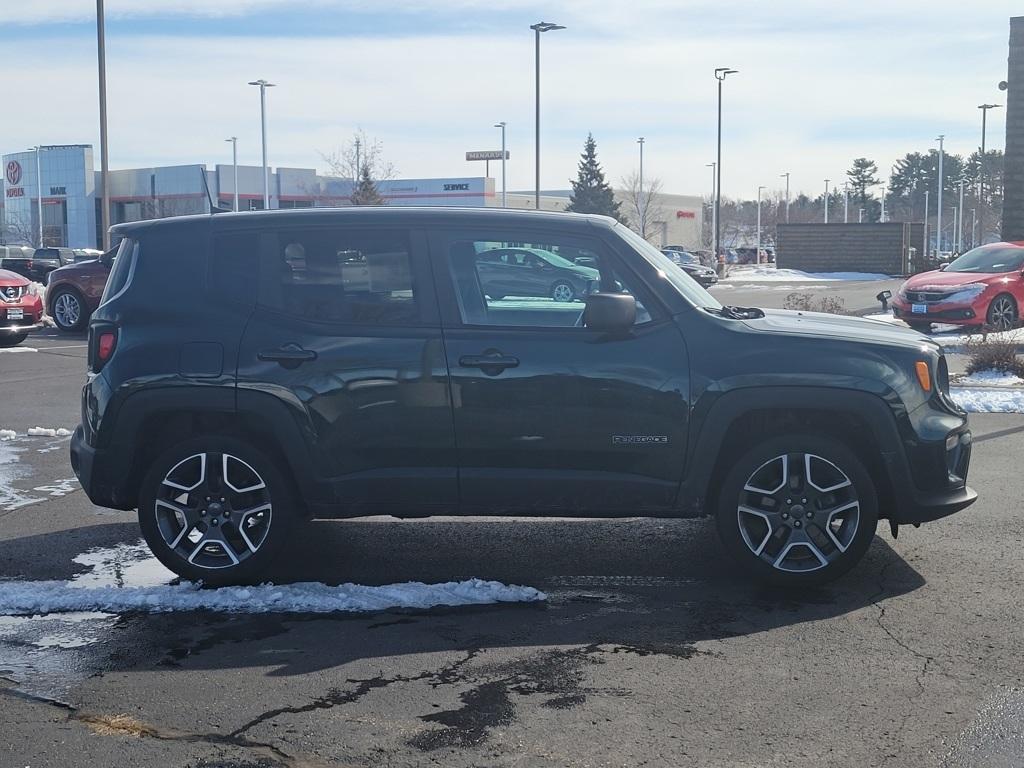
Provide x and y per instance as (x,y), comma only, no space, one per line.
(968,292)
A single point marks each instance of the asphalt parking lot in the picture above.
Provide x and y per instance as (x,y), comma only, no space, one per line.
(649,650)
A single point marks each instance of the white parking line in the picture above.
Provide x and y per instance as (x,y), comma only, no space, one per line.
(72,346)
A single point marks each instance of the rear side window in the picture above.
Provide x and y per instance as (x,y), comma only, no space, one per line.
(121,270)
(234,268)
(339,276)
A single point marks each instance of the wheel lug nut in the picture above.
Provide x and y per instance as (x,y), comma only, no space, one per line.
(798,524)
(202,512)
(227,513)
(785,516)
(810,515)
(802,501)
(216,521)
(789,501)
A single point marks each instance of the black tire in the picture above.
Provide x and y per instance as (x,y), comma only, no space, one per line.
(72,295)
(921,327)
(12,339)
(558,288)
(209,566)
(1003,313)
(764,460)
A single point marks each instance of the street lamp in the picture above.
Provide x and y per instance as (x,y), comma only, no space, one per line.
(720,74)
(938,220)
(786,177)
(759,190)
(927,248)
(263,85)
(712,166)
(883,202)
(39,193)
(234,162)
(974,227)
(960,219)
(101,56)
(640,191)
(504,200)
(543,26)
(846,202)
(981,171)
(826,199)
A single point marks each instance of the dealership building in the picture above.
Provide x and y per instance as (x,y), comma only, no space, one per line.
(70,185)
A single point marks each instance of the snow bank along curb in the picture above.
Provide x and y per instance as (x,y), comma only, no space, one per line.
(762,273)
(10,434)
(40,597)
(989,399)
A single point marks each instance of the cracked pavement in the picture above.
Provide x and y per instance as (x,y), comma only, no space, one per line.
(650,651)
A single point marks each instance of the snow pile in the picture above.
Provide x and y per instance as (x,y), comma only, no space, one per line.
(48,432)
(40,597)
(17,349)
(7,434)
(983,400)
(990,379)
(769,273)
(954,337)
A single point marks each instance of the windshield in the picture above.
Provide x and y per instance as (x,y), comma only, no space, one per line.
(555,259)
(989,258)
(681,281)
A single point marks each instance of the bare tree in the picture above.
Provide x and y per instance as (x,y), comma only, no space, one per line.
(362,161)
(643,210)
(20,230)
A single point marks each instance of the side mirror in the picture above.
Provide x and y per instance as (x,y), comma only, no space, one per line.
(609,312)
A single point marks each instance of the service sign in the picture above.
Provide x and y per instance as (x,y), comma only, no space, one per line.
(487,154)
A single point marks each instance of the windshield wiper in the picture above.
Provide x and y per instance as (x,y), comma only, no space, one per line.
(738,313)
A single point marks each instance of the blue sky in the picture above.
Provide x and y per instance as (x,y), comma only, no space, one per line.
(818,84)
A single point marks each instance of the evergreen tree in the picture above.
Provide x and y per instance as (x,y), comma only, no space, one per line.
(590,192)
(862,175)
(366,192)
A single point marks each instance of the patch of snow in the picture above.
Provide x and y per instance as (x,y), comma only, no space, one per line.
(48,432)
(953,337)
(10,497)
(990,379)
(7,434)
(44,597)
(768,273)
(994,400)
(6,350)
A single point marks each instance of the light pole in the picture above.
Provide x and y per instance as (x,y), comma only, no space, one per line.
(981,171)
(846,202)
(974,227)
(927,245)
(826,199)
(712,166)
(960,219)
(504,199)
(938,208)
(640,192)
(786,177)
(883,203)
(263,85)
(234,165)
(720,74)
(39,193)
(860,215)
(542,26)
(759,223)
(101,56)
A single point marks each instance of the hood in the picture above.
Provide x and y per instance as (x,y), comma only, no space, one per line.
(11,278)
(588,272)
(77,266)
(822,325)
(938,279)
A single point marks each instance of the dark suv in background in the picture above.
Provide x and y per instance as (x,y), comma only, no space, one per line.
(37,264)
(249,371)
(73,291)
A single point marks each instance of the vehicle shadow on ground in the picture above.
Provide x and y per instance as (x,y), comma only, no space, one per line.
(639,585)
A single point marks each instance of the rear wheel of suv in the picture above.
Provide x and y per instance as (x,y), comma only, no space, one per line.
(68,310)
(215,509)
(1002,312)
(797,510)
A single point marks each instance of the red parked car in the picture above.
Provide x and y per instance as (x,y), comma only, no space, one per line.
(985,286)
(73,292)
(21,309)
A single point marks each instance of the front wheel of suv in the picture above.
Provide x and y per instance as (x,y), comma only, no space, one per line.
(68,310)
(797,510)
(216,510)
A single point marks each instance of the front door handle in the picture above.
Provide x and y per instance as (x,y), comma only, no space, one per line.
(491,363)
(289,355)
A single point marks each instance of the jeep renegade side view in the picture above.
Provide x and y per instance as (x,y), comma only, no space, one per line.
(251,371)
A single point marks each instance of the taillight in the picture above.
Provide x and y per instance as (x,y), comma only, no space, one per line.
(105,346)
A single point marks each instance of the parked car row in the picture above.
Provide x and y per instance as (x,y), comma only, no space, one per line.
(691,264)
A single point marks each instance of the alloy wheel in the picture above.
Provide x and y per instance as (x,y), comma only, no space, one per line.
(798,512)
(562,292)
(1002,313)
(213,510)
(67,310)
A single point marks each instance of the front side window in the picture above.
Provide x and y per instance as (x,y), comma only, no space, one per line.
(673,273)
(539,284)
(339,276)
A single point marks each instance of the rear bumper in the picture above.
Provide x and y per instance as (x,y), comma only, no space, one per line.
(85,459)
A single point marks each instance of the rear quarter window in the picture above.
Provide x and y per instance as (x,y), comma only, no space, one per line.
(234,267)
(121,270)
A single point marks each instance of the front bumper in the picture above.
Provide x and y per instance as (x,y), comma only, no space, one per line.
(952,314)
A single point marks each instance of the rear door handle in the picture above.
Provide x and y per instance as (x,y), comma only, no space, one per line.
(289,355)
(491,362)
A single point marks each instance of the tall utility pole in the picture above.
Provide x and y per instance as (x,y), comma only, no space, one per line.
(39,194)
(101,54)
(938,208)
(846,202)
(263,85)
(927,245)
(641,208)
(960,219)
(712,166)
(981,171)
(883,203)
(359,169)
(542,26)
(974,227)
(720,74)
(234,165)
(759,190)
(826,199)
(504,188)
(786,176)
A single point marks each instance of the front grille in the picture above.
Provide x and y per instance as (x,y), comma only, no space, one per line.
(13,293)
(928,297)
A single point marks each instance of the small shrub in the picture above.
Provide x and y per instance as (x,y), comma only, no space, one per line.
(805,302)
(985,355)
